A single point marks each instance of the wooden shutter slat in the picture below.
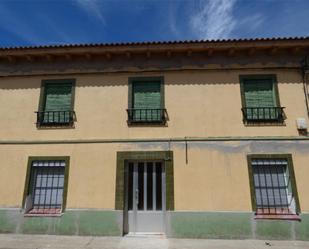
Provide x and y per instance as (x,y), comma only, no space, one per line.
(147,95)
(259,93)
(58,97)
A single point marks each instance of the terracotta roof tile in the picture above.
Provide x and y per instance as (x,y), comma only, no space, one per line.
(154,43)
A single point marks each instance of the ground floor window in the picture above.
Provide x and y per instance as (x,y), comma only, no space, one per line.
(46,186)
(273,186)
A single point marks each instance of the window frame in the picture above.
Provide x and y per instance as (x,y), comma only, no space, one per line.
(290,168)
(28,184)
(42,99)
(132,80)
(273,78)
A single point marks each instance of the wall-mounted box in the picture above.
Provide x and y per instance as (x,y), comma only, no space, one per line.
(301,124)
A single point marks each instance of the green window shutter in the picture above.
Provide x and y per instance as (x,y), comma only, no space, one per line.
(259,93)
(57,103)
(147,95)
(58,97)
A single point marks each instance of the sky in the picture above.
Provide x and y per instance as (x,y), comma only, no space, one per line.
(52,22)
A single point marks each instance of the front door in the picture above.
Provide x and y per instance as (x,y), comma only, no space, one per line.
(146,197)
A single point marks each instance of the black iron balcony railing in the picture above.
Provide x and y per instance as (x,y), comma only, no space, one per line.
(55,118)
(263,114)
(147,115)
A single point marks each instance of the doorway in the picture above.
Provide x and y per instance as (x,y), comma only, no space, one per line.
(146,197)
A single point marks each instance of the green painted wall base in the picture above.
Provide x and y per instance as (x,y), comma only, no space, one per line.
(72,222)
(226,225)
(211,225)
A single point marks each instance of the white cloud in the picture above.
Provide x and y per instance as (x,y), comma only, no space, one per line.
(252,22)
(92,8)
(215,20)
(171,20)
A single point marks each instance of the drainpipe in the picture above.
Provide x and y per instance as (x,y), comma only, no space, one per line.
(169,149)
(305,72)
(186,145)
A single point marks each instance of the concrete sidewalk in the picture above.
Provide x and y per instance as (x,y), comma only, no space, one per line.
(13,241)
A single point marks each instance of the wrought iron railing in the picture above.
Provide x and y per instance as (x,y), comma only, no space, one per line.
(55,118)
(147,115)
(263,114)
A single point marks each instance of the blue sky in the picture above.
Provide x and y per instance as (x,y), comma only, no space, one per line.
(46,22)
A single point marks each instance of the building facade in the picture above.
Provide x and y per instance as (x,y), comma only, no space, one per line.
(195,139)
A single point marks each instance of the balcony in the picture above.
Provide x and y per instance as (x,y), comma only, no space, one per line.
(55,118)
(263,114)
(145,116)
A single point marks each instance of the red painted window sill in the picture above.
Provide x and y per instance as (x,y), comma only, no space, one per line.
(279,214)
(50,212)
(277,217)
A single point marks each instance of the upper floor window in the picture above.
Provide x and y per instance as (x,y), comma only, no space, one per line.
(146,100)
(260,99)
(273,186)
(46,185)
(56,103)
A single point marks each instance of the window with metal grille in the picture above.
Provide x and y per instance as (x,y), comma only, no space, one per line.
(272,186)
(146,101)
(260,100)
(56,103)
(46,187)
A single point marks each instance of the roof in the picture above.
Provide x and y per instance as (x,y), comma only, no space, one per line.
(222,41)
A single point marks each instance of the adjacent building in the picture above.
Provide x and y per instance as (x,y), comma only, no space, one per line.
(200,139)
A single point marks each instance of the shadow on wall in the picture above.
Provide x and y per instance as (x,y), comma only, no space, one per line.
(189,77)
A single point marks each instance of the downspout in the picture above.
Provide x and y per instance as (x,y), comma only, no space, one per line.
(186,145)
(305,72)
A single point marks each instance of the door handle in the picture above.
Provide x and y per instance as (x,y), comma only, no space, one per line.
(136,196)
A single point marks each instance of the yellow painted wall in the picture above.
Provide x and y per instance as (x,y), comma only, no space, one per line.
(215,178)
(199,104)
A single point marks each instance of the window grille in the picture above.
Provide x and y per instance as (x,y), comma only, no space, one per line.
(272,184)
(47,183)
(147,115)
(54,118)
(263,114)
